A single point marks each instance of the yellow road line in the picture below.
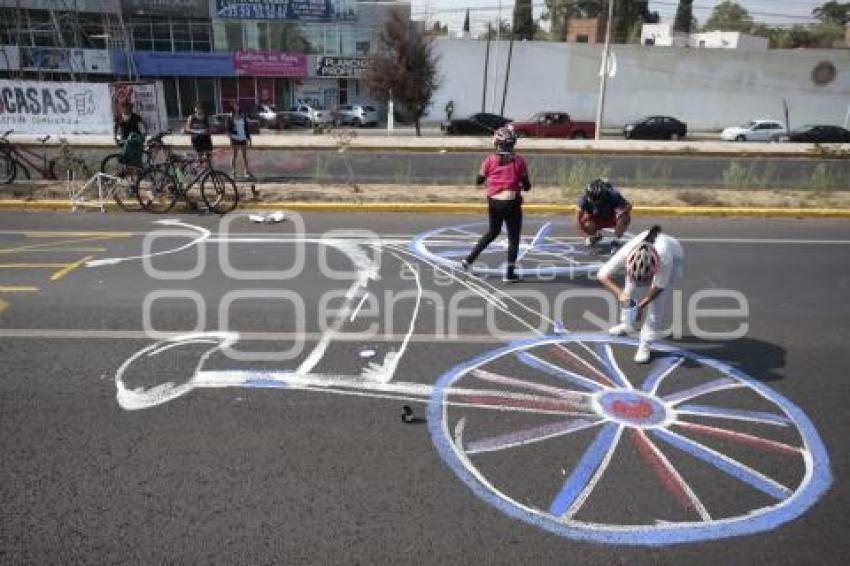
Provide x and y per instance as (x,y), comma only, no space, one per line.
(48,244)
(70,250)
(46,234)
(69,268)
(14,289)
(30,265)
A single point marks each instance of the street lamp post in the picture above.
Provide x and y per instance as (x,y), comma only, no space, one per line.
(603,74)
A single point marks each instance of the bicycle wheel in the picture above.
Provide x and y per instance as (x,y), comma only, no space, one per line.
(156,190)
(219,192)
(124,190)
(685,450)
(8,168)
(70,169)
(111,165)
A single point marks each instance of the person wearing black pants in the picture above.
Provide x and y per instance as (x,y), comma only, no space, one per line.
(505,175)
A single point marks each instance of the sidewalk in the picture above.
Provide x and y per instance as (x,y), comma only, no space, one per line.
(463,199)
(385,143)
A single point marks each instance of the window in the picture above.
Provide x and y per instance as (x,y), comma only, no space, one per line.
(161,29)
(582,38)
(182,37)
(200,33)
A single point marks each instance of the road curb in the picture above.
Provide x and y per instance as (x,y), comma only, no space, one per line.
(477,208)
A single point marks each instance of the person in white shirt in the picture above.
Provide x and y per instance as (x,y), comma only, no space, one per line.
(650,259)
(240,137)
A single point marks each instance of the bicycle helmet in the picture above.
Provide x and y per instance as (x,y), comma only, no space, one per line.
(642,262)
(504,139)
(596,188)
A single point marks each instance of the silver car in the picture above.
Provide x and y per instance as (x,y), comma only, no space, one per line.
(357,115)
(316,114)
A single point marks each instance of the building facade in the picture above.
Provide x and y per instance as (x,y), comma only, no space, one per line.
(216,51)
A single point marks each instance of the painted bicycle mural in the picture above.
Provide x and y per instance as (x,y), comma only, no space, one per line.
(559,430)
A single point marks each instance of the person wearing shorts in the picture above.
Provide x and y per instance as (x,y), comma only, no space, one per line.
(504,175)
(240,138)
(198,126)
(602,206)
(654,260)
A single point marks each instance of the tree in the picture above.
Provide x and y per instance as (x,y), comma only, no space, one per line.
(836,13)
(729,16)
(684,16)
(629,16)
(439,29)
(405,68)
(466,24)
(559,13)
(503,31)
(523,26)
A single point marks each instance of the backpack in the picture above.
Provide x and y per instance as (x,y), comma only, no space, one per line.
(131,154)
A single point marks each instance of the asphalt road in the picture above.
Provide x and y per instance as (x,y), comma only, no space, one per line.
(263,463)
(459,168)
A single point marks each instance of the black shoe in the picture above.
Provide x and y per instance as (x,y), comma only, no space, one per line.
(511,278)
(465,265)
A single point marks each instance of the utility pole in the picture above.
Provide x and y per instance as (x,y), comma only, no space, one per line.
(486,66)
(600,105)
(507,74)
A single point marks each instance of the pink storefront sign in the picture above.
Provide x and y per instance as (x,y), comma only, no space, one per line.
(270,64)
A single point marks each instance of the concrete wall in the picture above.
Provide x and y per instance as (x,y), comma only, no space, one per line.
(708,89)
(103,6)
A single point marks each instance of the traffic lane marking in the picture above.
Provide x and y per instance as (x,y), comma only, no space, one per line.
(70,267)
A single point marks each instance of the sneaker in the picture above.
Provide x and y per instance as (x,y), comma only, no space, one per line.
(591,240)
(511,278)
(615,245)
(465,265)
(642,354)
(620,330)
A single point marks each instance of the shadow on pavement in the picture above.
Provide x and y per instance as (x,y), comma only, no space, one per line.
(758,359)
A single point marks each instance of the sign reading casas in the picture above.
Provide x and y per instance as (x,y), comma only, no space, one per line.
(342,67)
(304,10)
(55,108)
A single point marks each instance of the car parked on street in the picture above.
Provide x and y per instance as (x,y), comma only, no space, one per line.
(357,115)
(290,120)
(815,133)
(553,125)
(755,130)
(482,123)
(267,115)
(218,124)
(316,114)
(655,128)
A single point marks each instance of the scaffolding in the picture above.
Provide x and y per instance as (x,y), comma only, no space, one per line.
(64,30)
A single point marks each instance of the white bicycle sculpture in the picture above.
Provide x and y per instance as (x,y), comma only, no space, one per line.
(539,428)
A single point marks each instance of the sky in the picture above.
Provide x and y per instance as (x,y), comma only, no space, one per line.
(452,12)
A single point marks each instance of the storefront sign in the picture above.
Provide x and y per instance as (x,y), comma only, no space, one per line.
(178,64)
(303,10)
(342,67)
(270,64)
(147,99)
(65,60)
(186,8)
(55,108)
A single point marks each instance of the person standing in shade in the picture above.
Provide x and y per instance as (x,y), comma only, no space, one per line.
(504,175)
(240,138)
(654,260)
(198,126)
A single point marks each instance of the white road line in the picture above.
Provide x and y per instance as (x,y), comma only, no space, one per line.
(83,334)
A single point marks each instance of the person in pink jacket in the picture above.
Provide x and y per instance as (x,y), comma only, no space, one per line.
(504,175)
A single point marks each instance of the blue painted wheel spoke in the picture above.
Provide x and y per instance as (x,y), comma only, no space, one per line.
(725,464)
(558,372)
(710,387)
(606,355)
(734,414)
(662,368)
(585,472)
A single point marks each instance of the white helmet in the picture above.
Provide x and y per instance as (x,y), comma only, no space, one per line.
(642,262)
